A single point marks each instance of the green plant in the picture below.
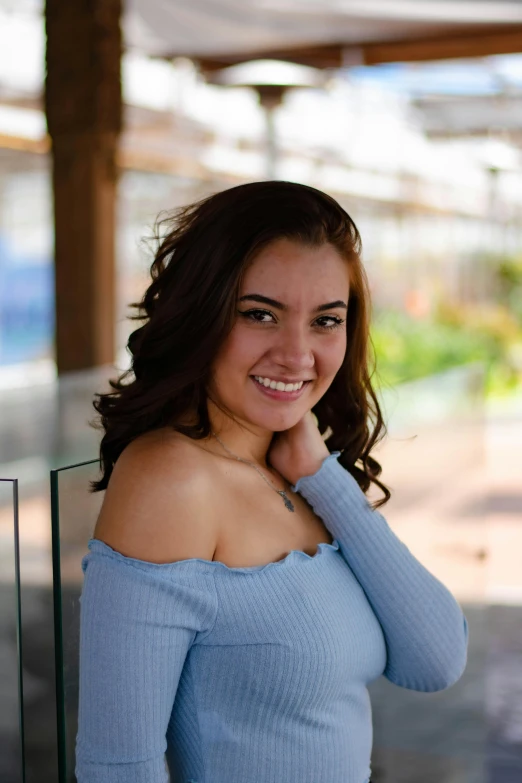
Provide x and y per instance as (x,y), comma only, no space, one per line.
(407,348)
(509,276)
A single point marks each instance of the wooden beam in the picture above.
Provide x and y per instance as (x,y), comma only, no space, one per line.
(479,43)
(39,146)
(446,44)
(84,117)
(327,56)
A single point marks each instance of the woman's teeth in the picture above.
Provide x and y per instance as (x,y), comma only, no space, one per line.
(279,385)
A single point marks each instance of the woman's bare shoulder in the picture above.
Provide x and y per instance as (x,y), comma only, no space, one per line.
(158,504)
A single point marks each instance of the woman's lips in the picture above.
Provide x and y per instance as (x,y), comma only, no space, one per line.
(275,394)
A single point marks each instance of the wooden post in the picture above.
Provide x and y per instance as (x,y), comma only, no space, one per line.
(84,116)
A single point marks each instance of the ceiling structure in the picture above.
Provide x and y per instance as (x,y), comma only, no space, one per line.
(464,116)
(334,34)
(322,33)
(461,99)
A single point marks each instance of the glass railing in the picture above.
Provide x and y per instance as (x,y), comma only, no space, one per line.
(74,511)
(12,746)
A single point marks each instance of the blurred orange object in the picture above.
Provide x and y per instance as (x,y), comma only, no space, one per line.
(417,303)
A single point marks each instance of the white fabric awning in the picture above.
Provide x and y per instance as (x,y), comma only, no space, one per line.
(232,30)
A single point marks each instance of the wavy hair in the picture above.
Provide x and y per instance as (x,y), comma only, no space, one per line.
(190,306)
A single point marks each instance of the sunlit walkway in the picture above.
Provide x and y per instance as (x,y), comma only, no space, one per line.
(468,531)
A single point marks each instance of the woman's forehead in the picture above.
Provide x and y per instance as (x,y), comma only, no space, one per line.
(291,265)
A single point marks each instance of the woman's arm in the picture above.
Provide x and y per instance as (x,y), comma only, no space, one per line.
(425,630)
(142,607)
(138,622)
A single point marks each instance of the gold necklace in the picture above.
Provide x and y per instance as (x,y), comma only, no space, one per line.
(288,503)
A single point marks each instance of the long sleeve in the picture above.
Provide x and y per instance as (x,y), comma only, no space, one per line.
(425,630)
(138,621)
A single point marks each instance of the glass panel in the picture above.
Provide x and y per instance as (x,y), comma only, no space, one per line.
(74,511)
(12,759)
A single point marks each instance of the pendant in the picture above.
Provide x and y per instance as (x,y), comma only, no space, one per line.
(288,502)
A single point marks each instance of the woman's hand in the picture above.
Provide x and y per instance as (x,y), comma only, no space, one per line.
(298,451)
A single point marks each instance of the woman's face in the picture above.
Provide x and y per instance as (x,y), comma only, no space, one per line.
(288,342)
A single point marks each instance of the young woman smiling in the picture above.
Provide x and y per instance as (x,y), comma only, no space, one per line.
(240,590)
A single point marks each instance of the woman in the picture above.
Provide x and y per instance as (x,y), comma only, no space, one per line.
(240,591)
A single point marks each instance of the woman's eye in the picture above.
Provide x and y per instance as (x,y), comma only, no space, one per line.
(251,313)
(337,322)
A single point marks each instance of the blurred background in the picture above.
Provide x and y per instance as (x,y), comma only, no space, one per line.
(410,115)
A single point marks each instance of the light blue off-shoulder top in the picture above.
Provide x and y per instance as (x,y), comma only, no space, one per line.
(196,672)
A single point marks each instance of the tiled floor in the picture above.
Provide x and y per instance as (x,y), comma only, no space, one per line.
(457,504)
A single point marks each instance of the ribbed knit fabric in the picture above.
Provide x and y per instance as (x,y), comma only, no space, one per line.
(258,675)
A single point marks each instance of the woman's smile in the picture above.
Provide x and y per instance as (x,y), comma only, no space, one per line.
(277,394)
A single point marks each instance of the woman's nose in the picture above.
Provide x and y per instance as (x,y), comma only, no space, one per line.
(295,349)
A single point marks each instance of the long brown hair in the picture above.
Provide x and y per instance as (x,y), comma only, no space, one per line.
(190,307)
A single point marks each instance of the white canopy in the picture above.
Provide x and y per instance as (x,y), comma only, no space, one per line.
(328,32)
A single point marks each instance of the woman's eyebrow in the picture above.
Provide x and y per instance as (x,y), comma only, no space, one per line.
(281,306)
